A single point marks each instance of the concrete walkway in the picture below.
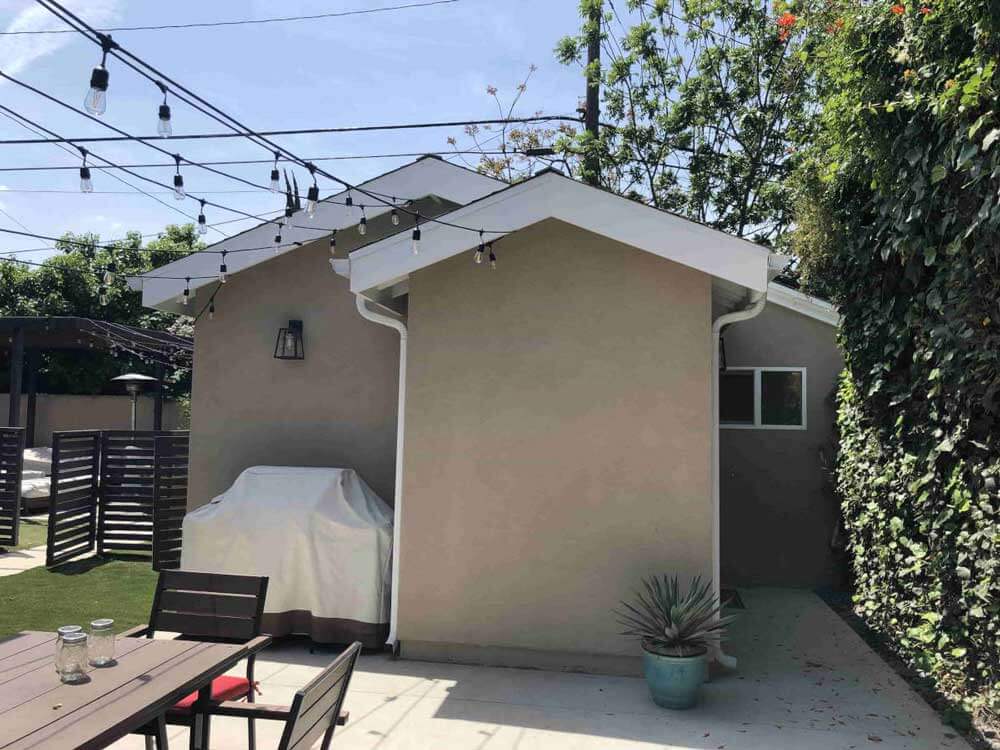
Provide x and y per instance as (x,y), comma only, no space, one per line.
(21,560)
(806,681)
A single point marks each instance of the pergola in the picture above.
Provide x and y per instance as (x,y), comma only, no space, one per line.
(27,337)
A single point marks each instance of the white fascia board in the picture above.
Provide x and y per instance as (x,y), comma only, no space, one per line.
(426,176)
(386,262)
(803,303)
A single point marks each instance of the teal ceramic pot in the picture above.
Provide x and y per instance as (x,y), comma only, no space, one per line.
(674,681)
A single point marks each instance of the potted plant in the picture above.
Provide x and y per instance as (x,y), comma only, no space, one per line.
(676,630)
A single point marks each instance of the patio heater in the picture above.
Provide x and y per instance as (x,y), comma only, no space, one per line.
(134,385)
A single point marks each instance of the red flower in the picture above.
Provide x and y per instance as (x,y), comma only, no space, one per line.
(925,11)
(787,20)
(898,9)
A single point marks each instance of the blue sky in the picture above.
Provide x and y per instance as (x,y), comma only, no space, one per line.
(413,65)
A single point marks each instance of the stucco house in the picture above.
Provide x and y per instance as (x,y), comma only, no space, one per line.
(548,432)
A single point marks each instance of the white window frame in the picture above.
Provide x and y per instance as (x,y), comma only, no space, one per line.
(757,425)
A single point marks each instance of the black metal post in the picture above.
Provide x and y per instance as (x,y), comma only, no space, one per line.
(16,370)
(158,399)
(29,422)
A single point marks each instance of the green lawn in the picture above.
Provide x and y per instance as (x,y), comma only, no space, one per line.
(33,531)
(76,593)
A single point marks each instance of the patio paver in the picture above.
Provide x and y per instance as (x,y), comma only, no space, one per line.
(806,680)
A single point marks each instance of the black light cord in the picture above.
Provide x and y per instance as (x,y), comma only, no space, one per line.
(126,57)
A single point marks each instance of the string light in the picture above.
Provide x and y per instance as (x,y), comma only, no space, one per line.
(363,224)
(275,183)
(479,250)
(102,295)
(211,309)
(348,201)
(96,101)
(493,257)
(163,127)
(277,237)
(109,271)
(202,224)
(186,295)
(312,197)
(333,243)
(222,268)
(416,233)
(394,215)
(86,186)
(179,193)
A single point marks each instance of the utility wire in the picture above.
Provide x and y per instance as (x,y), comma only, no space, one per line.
(300,131)
(242,162)
(159,78)
(242,21)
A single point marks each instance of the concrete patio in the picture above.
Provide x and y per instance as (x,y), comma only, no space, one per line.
(805,681)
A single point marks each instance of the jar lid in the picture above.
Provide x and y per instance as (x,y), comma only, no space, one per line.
(102,624)
(69,629)
(78,637)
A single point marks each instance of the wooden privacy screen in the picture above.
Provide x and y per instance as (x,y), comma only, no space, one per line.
(103,493)
(72,529)
(170,478)
(11,458)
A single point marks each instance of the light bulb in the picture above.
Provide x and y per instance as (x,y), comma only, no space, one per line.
(211,310)
(493,258)
(163,128)
(222,269)
(179,193)
(275,181)
(395,217)
(186,297)
(312,198)
(363,224)
(349,201)
(479,250)
(86,186)
(202,226)
(96,101)
(333,243)
(416,241)
(277,239)
(107,276)
(103,297)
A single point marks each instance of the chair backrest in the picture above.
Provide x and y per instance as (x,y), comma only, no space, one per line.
(210,606)
(316,707)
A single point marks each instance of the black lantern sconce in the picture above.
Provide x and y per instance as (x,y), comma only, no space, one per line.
(289,344)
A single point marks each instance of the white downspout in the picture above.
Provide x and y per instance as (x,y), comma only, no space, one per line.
(398,325)
(751,311)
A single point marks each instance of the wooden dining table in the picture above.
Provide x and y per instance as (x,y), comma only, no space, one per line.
(38,711)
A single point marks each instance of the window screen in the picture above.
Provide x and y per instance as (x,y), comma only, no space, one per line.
(781,397)
(736,397)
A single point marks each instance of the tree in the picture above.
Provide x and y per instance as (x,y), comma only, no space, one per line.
(899,218)
(509,151)
(705,106)
(68,284)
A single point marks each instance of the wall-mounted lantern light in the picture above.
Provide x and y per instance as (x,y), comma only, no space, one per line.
(289,344)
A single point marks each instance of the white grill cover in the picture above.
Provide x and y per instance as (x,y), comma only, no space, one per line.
(323,538)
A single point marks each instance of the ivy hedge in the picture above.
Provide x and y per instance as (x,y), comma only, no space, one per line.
(899,221)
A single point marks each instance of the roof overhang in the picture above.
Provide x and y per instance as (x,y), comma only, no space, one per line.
(805,304)
(424,177)
(550,195)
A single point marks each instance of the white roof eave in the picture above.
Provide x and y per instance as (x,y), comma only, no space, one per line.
(424,177)
(552,195)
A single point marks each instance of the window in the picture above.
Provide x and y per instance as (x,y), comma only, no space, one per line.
(763,398)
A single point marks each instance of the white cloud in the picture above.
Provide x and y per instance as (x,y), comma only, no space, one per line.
(18,52)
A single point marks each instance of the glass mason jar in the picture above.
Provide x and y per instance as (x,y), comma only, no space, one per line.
(59,636)
(72,660)
(101,647)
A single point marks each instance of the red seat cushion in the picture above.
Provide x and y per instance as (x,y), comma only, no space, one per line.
(225,688)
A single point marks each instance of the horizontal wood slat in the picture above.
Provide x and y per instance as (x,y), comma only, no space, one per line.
(73,495)
(11,457)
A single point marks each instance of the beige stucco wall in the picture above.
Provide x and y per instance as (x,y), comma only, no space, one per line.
(54,412)
(337,407)
(557,443)
(777,511)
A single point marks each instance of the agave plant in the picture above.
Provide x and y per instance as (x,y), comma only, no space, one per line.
(673,623)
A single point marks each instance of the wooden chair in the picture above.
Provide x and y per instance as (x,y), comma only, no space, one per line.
(208,607)
(316,709)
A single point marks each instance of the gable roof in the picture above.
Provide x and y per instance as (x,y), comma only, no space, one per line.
(428,175)
(550,194)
